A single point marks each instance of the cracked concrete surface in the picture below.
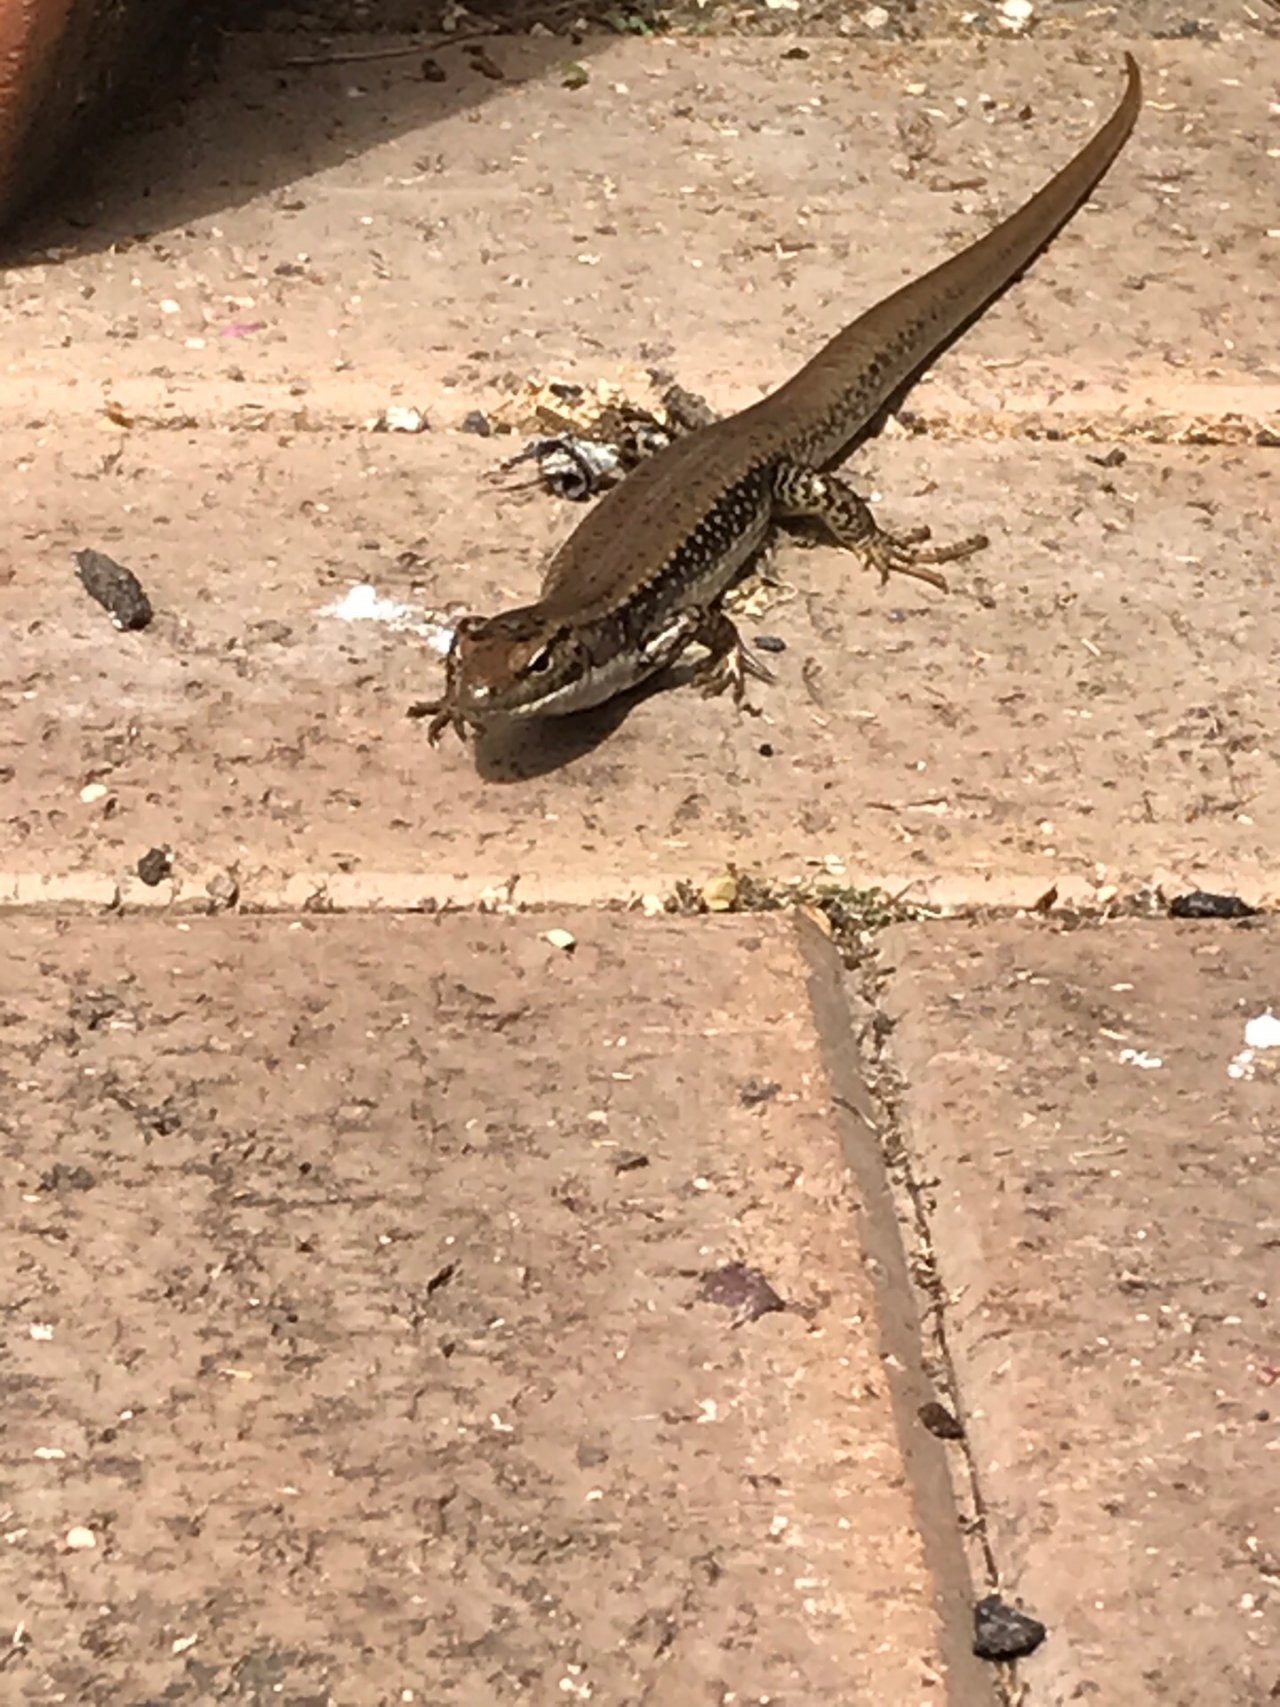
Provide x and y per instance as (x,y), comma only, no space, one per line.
(246,1357)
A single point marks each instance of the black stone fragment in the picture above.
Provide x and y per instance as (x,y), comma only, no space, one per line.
(117,589)
(1203,904)
(756,1091)
(154,866)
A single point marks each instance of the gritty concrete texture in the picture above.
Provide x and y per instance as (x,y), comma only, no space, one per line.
(1092,704)
(1105,1213)
(359,1315)
(715,205)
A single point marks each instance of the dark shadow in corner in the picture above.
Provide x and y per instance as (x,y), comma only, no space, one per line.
(220,115)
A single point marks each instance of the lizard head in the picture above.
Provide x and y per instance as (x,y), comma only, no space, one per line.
(504,668)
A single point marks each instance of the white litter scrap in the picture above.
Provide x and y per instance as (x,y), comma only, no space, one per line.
(1261,1033)
(1141,1058)
(397,418)
(364,603)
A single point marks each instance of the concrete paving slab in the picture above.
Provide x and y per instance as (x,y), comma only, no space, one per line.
(1099,1142)
(333,239)
(1092,705)
(361,1346)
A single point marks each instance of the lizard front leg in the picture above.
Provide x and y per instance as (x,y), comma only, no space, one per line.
(728,663)
(800,491)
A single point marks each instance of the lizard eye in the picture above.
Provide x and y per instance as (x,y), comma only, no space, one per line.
(539,661)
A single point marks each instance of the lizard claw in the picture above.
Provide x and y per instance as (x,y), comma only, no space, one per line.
(442,717)
(904,554)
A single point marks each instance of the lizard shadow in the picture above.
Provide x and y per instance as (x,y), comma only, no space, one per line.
(525,752)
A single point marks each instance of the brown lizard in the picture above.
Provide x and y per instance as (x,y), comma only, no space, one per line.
(643,575)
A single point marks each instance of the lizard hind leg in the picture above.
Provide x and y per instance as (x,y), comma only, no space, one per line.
(800,491)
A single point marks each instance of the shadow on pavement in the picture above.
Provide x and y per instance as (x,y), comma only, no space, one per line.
(247,100)
(554,743)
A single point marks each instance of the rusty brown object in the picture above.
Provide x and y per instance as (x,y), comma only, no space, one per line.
(60,61)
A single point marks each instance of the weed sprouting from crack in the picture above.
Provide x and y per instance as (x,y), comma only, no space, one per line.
(851,916)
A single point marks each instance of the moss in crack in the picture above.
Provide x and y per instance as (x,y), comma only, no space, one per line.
(850,916)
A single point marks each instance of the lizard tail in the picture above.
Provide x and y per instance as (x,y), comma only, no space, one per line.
(891,341)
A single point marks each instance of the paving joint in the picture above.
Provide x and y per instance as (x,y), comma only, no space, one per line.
(1204,415)
(218,888)
(845,1020)
(888,1091)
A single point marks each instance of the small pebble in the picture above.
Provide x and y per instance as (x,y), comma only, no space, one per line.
(742,1289)
(398,418)
(940,1422)
(223,890)
(79,1539)
(154,866)
(1001,1632)
(719,894)
(563,940)
(1016,14)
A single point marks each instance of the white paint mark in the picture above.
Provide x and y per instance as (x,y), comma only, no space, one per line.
(364,603)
